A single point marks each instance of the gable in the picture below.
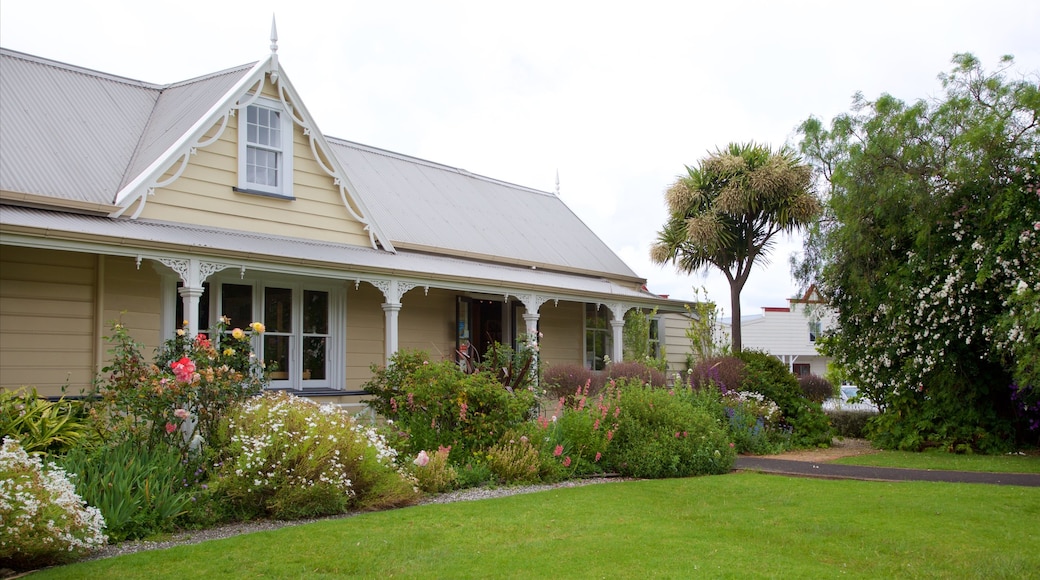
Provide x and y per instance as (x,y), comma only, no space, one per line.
(204,192)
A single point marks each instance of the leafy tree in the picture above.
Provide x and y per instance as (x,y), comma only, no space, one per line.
(929,252)
(725,212)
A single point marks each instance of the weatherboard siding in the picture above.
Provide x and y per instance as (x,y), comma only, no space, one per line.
(563,333)
(366,333)
(47,319)
(204,195)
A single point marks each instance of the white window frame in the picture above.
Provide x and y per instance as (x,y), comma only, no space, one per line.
(608,334)
(337,331)
(284,152)
(815,329)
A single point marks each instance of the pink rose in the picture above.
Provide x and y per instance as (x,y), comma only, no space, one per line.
(170,428)
(181,413)
(421,459)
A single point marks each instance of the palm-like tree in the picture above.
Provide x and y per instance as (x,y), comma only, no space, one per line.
(726,211)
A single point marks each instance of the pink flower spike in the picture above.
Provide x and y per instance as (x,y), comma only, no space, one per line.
(567,461)
(558,451)
(598,456)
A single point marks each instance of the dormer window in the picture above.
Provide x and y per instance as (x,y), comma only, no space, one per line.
(265,134)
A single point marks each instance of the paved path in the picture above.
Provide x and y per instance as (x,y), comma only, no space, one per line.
(836,471)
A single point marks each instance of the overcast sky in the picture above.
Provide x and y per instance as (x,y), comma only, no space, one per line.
(616,97)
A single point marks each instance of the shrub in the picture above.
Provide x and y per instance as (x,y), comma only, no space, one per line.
(192,384)
(41,426)
(766,375)
(290,458)
(619,371)
(515,461)
(755,423)
(433,471)
(725,372)
(850,423)
(662,433)
(581,430)
(436,404)
(140,490)
(563,380)
(815,388)
(44,521)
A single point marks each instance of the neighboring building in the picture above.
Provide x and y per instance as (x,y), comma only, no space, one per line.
(789,333)
(218,195)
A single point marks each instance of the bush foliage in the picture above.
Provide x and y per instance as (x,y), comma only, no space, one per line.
(44,521)
(766,375)
(816,388)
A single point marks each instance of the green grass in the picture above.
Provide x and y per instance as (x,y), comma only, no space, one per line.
(738,525)
(948,461)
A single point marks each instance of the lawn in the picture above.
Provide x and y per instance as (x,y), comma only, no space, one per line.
(738,525)
(948,461)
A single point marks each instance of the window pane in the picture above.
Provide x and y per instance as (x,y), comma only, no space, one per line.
(236,302)
(251,115)
(315,312)
(276,356)
(278,309)
(314,357)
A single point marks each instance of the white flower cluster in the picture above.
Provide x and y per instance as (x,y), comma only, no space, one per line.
(261,460)
(40,510)
(901,343)
(762,406)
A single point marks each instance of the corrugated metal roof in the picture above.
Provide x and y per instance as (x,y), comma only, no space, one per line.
(79,135)
(178,108)
(68,132)
(127,237)
(420,204)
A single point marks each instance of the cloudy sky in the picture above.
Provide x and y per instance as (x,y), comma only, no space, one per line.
(615,97)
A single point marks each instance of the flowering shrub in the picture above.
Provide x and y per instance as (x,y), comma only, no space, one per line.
(562,380)
(662,433)
(636,370)
(766,375)
(288,457)
(725,372)
(582,428)
(436,404)
(44,521)
(515,460)
(755,423)
(433,472)
(192,383)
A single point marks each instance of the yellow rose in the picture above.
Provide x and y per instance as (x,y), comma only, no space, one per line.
(180,332)
(258,327)
(229,351)
(237,334)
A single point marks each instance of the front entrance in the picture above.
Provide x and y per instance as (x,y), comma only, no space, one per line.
(480,322)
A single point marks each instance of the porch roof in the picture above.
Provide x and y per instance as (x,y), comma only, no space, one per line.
(153,239)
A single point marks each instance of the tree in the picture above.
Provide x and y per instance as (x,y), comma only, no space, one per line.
(726,211)
(929,252)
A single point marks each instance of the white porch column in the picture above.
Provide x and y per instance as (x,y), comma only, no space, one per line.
(617,325)
(190,297)
(392,310)
(193,273)
(393,290)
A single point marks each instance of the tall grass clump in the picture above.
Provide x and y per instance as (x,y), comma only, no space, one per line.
(290,458)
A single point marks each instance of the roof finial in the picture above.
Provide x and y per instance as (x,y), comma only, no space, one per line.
(557,182)
(274,36)
(274,51)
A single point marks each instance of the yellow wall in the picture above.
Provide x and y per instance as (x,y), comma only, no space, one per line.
(365,333)
(203,195)
(131,296)
(562,329)
(426,322)
(47,319)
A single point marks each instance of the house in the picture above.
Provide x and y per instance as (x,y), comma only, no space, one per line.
(219,195)
(789,333)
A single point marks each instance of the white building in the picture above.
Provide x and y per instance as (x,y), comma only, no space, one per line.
(789,333)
